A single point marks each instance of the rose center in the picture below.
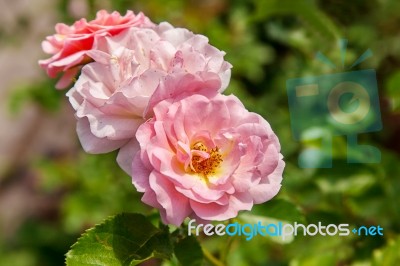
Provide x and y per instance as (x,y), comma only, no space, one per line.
(207,161)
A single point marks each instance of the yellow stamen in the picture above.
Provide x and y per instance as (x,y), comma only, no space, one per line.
(205,166)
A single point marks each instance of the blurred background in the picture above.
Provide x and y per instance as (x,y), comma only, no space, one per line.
(51,191)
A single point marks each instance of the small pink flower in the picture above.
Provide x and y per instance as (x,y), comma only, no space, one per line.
(70,43)
(132,72)
(206,158)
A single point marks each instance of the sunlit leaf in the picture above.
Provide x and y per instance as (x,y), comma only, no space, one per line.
(125,239)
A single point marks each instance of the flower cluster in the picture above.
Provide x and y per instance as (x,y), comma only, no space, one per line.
(153,91)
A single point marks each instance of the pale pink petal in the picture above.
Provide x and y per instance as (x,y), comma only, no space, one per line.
(212,211)
(140,174)
(126,154)
(109,125)
(176,205)
(264,192)
(150,198)
(67,78)
(75,98)
(189,193)
(93,144)
(179,85)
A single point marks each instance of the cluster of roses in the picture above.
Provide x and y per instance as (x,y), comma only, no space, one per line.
(154,92)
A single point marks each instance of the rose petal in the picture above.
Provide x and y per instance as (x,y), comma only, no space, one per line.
(93,144)
(176,205)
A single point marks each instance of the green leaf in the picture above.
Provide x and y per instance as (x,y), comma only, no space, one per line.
(279,209)
(248,218)
(125,239)
(353,185)
(42,93)
(392,88)
(389,255)
(305,10)
(188,251)
(274,212)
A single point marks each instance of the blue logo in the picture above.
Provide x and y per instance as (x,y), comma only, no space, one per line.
(325,106)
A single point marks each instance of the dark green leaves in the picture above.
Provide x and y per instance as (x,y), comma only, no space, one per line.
(125,239)
(188,251)
(279,209)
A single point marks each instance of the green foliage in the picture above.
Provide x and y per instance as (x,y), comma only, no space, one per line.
(41,93)
(126,239)
(389,255)
(131,238)
(188,251)
(279,209)
(393,90)
(96,185)
(306,10)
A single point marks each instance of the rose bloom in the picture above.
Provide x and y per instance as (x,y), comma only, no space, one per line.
(206,158)
(70,43)
(132,72)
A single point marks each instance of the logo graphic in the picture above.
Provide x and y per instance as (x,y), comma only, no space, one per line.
(325,106)
(279,229)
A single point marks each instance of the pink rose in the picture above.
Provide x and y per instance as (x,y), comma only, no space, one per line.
(206,158)
(70,43)
(132,72)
